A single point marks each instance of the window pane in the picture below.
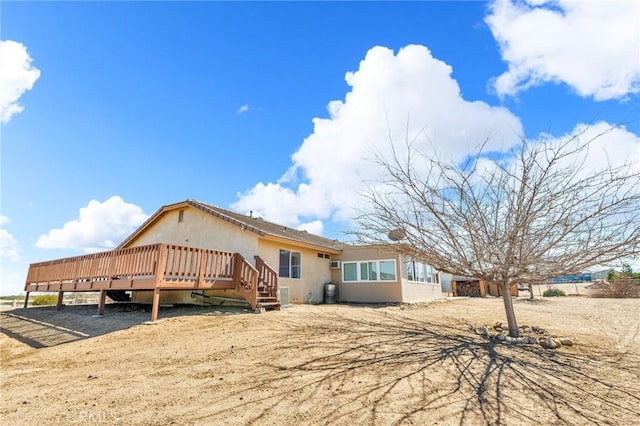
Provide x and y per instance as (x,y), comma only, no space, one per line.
(373,271)
(364,272)
(283,270)
(387,270)
(349,271)
(295,264)
(419,272)
(410,274)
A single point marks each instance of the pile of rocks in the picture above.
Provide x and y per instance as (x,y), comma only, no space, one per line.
(528,335)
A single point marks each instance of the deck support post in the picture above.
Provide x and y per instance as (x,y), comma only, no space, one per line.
(156,304)
(103,297)
(159,272)
(26,300)
(60,297)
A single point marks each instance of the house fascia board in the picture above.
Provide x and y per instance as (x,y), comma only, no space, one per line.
(243,225)
(296,242)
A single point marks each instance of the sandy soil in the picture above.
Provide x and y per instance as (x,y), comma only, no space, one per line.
(331,364)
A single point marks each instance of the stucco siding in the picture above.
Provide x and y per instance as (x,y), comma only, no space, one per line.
(361,292)
(413,292)
(199,229)
(309,288)
(371,291)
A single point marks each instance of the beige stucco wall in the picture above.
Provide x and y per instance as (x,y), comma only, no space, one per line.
(420,292)
(367,292)
(314,272)
(413,291)
(200,229)
(364,292)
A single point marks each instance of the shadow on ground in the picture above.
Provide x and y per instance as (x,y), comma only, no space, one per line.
(45,326)
(403,371)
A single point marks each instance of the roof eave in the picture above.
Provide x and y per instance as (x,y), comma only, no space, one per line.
(297,242)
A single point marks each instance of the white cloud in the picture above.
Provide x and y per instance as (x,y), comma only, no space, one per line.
(593,46)
(391,96)
(100,226)
(314,227)
(9,247)
(12,280)
(611,145)
(17,76)
(12,271)
(244,108)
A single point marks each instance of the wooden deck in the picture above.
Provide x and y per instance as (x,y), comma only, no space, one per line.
(156,267)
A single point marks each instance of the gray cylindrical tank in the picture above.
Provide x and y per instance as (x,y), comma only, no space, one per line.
(330,293)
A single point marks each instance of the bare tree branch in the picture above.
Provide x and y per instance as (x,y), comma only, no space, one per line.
(535,215)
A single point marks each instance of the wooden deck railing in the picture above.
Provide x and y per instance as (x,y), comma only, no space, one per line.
(247,280)
(189,264)
(153,267)
(133,262)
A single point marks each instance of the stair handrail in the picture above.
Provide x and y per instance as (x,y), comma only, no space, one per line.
(246,279)
(267,277)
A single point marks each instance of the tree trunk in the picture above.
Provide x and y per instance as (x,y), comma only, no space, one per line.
(508,308)
(531,292)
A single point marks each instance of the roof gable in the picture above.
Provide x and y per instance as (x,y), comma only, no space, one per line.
(253,224)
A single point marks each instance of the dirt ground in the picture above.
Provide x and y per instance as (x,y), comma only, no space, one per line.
(326,364)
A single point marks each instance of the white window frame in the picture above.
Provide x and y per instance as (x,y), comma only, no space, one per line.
(360,263)
(290,266)
(422,273)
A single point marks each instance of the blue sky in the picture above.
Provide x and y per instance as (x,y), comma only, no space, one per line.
(112,109)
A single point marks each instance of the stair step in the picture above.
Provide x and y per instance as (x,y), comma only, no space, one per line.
(268,299)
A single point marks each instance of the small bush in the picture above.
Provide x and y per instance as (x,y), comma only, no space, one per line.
(553,292)
(45,299)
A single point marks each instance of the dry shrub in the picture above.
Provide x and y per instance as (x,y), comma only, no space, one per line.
(45,299)
(619,288)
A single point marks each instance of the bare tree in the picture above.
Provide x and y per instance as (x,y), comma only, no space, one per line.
(536,214)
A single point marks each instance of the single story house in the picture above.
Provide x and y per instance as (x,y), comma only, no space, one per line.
(192,249)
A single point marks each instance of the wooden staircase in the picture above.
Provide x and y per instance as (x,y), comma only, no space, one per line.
(267,295)
(119,295)
(267,301)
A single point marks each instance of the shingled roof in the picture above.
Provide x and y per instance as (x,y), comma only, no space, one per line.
(253,224)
